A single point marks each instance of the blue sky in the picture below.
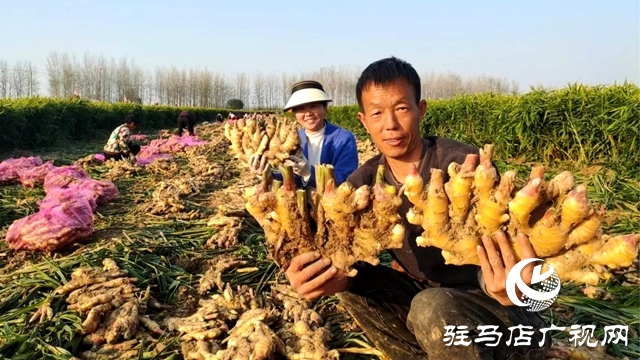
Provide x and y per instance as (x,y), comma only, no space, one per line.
(533,42)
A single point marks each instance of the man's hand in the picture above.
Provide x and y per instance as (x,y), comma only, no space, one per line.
(311,278)
(301,166)
(258,164)
(497,264)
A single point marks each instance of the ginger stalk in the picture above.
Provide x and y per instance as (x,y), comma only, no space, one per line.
(458,188)
(575,207)
(523,203)
(588,229)
(485,175)
(412,187)
(492,210)
(379,227)
(547,236)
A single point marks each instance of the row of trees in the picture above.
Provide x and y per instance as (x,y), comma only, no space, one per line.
(18,80)
(100,78)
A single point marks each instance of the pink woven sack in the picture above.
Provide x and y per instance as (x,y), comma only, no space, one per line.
(35,176)
(10,168)
(64,176)
(54,227)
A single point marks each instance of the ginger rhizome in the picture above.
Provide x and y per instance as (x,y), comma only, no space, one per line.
(282,211)
(243,325)
(273,138)
(114,309)
(557,217)
(348,225)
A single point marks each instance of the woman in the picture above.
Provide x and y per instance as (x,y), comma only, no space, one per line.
(119,147)
(322,142)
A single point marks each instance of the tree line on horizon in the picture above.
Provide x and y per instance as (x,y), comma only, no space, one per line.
(99,78)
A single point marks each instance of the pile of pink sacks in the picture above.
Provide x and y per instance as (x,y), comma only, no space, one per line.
(65,215)
(160,149)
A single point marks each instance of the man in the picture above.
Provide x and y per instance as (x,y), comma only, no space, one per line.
(119,146)
(186,120)
(404,309)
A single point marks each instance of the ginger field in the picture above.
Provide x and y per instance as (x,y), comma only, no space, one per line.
(176,268)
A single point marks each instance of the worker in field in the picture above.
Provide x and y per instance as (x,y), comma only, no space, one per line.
(219,118)
(404,308)
(186,120)
(119,145)
(321,141)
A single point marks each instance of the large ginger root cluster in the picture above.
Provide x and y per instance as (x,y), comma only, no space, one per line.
(218,144)
(120,169)
(165,168)
(559,220)
(212,278)
(274,139)
(114,308)
(229,228)
(200,166)
(87,161)
(263,327)
(168,198)
(351,224)
(302,330)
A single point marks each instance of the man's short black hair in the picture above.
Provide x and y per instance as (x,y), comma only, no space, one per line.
(386,71)
(131,119)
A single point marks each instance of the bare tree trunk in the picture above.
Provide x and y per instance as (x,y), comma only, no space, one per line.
(33,83)
(242,88)
(69,71)
(19,79)
(87,77)
(5,87)
(102,81)
(258,91)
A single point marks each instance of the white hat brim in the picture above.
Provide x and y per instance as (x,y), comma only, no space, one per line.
(306,96)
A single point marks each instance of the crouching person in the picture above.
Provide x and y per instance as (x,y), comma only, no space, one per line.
(119,145)
(186,120)
(404,309)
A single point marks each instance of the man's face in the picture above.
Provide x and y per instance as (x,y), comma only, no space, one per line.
(310,116)
(392,117)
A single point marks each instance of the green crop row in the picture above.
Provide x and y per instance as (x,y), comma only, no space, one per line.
(31,123)
(578,123)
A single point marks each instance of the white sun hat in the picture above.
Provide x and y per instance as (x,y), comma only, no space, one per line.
(306,92)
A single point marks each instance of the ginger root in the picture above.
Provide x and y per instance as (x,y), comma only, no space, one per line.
(351,224)
(114,307)
(274,139)
(557,217)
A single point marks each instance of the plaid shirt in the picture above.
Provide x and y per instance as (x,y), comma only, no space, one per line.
(118,140)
